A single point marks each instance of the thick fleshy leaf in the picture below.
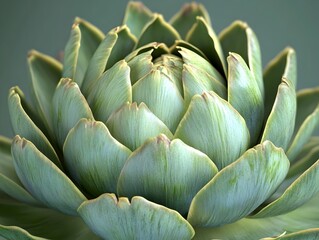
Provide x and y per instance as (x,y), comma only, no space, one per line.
(172,66)
(111,91)
(136,17)
(186,17)
(161,96)
(307,102)
(93,157)
(309,234)
(302,219)
(241,39)
(284,65)
(84,40)
(158,30)
(166,172)
(183,44)
(191,58)
(110,218)
(305,161)
(45,75)
(244,95)
(140,66)
(23,125)
(299,192)
(303,135)
(69,106)
(280,124)
(43,222)
(118,43)
(14,233)
(197,81)
(132,125)
(231,194)
(203,36)
(43,179)
(9,181)
(213,126)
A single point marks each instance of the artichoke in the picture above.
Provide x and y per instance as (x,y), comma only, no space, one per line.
(161,130)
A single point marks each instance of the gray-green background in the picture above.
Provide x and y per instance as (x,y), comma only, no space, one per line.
(44,25)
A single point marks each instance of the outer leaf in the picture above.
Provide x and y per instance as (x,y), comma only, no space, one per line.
(244,95)
(83,41)
(303,135)
(305,234)
(299,192)
(307,102)
(158,30)
(93,157)
(132,125)
(166,172)
(161,96)
(118,43)
(69,106)
(111,91)
(140,220)
(136,17)
(42,222)
(9,181)
(24,126)
(202,36)
(281,121)
(14,233)
(251,228)
(186,17)
(223,200)
(240,38)
(213,126)
(283,66)
(45,75)
(43,179)
(304,161)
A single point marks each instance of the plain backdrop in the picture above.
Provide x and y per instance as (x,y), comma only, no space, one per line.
(45,25)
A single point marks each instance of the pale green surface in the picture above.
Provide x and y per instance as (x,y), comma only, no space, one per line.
(23,125)
(263,167)
(161,96)
(244,95)
(298,193)
(213,126)
(139,219)
(68,107)
(116,82)
(241,39)
(93,157)
(49,185)
(16,233)
(167,172)
(83,41)
(133,124)
(280,123)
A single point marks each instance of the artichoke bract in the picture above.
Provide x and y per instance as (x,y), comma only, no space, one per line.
(161,130)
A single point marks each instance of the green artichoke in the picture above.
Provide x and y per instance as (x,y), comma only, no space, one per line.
(161,130)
